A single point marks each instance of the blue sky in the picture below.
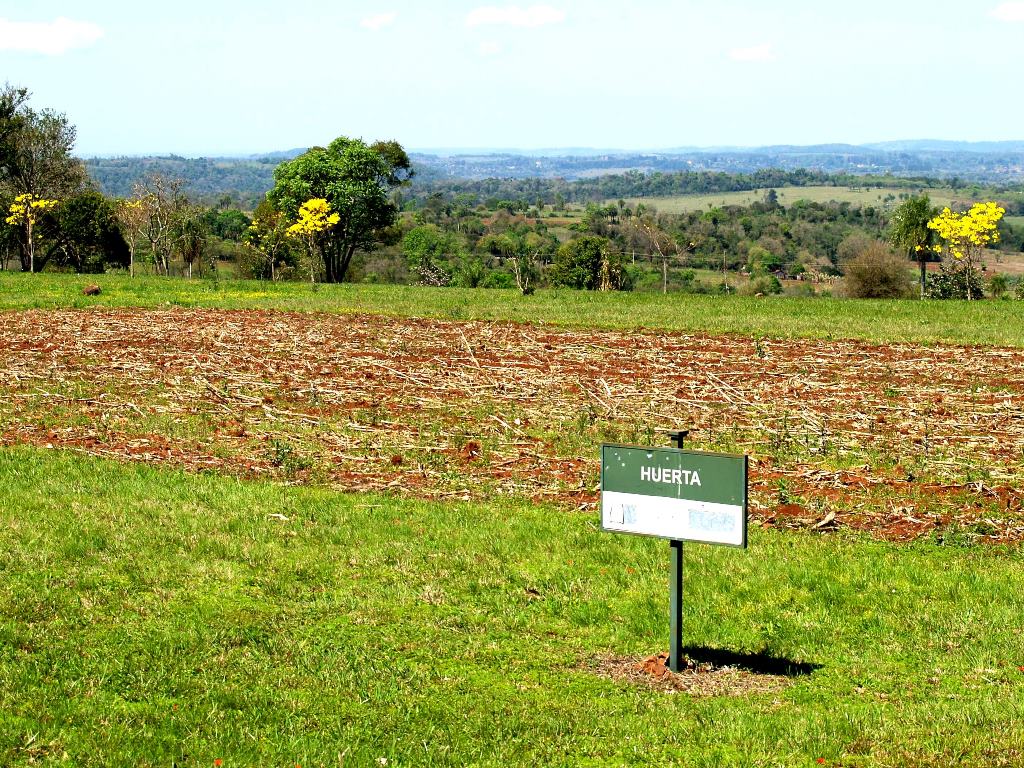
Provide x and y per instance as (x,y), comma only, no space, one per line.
(217,77)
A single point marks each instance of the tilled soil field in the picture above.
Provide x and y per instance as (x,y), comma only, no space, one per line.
(900,440)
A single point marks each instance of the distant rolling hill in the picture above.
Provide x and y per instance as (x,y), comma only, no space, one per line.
(935,145)
(245,180)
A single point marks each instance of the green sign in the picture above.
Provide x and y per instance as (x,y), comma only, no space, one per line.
(674,494)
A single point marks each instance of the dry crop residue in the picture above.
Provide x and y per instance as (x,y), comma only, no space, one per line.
(899,440)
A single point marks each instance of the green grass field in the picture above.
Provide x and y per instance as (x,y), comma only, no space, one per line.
(158,618)
(155,618)
(787,196)
(979,322)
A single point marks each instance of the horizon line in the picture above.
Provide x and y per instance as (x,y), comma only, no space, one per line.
(549,150)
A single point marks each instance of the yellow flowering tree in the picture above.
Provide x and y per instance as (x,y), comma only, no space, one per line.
(24,212)
(131,215)
(967,234)
(267,240)
(315,220)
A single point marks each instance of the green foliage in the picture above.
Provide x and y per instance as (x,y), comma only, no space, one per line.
(83,233)
(35,164)
(399,166)
(244,181)
(587,263)
(269,249)
(499,280)
(764,285)
(191,237)
(760,261)
(13,100)
(36,149)
(229,224)
(354,179)
(908,226)
(998,285)
(470,272)
(909,232)
(221,250)
(956,280)
(432,253)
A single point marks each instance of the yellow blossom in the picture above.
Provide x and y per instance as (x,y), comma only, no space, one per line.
(967,233)
(25,207)
(315,217)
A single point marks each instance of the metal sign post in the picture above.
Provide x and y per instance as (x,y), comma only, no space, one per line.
(679,495)
(675,640)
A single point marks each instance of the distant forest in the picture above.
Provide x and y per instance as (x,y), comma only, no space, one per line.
(243,182)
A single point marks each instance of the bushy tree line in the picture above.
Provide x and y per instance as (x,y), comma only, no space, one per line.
(330,205)
(631,184)
(50,214)
(857,250)
(53,217)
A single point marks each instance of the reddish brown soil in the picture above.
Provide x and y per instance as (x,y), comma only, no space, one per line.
(699,680)
(899,440)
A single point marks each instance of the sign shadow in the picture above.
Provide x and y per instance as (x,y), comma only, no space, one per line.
(762,663)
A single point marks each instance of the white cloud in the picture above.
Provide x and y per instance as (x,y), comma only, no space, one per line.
(489,48)
(1009,12)
(514,16)
(761,52)
(52,38)
(378,21)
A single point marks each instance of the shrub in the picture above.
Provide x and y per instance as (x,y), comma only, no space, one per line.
(765,285)
(761,261)
(800,289)
(469,273)
(998,285)
(498,279)
(852,247)
(955,282)
(587,263)
(877,273)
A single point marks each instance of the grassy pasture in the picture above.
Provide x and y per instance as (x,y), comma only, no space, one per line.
(978,322)
(787,196)
(1007,263)
(151,618)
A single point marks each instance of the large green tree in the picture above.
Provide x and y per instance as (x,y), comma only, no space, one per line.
(35,149)
(909,232)
(432,253)
(83,233)
(356,179)
(587,263)
(35,158)
(12,101)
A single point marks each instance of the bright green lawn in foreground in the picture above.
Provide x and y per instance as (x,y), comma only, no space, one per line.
(978,322)
(149,617)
